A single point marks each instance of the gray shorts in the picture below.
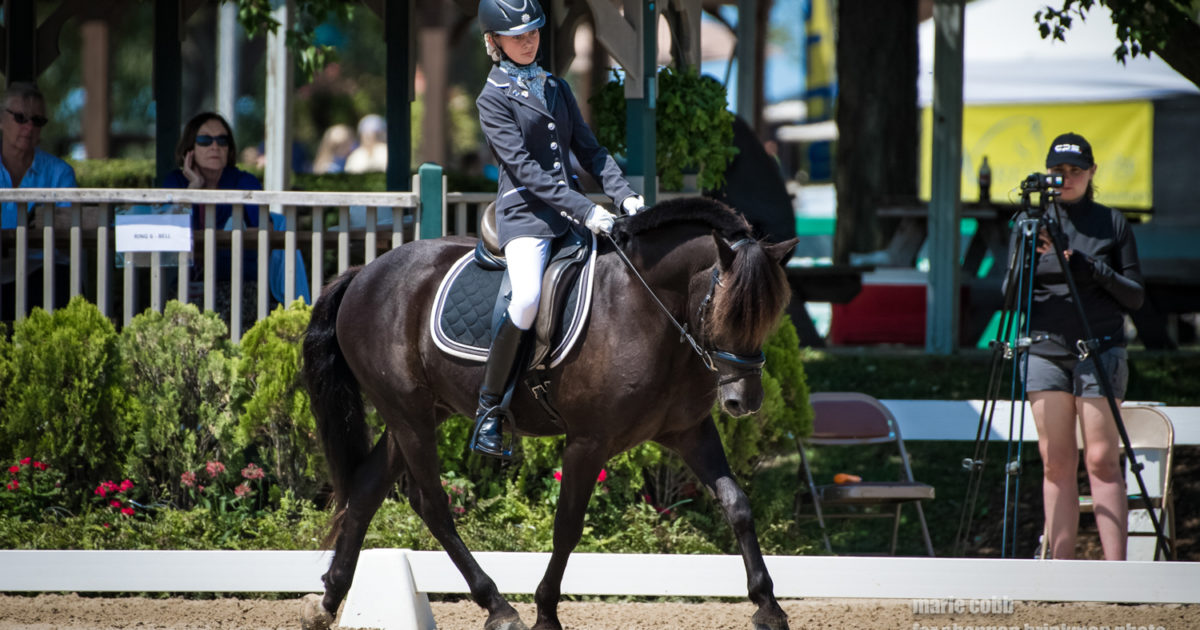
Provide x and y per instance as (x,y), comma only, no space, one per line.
(1069,374)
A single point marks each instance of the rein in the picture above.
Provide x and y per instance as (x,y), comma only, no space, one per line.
(710,358)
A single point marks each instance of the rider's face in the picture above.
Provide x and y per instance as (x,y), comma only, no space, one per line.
(522,49)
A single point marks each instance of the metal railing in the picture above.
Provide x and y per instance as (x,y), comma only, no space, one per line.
(320,234)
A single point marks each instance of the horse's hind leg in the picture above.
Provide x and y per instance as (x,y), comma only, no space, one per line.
(429,500)
(702,451)
(372,482)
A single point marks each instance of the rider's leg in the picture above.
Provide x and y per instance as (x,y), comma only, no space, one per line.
(526,258)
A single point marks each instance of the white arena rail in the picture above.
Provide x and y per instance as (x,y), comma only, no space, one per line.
(390,585)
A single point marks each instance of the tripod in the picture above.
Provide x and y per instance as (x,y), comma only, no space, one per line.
(1018,298)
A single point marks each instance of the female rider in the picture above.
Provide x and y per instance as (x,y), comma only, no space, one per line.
(531,121)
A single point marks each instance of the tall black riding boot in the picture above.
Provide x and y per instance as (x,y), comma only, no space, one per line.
(488,437)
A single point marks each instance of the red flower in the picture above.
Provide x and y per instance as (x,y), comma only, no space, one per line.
(243,489)
(252,472)
(558,475)
(188,479)
(101,491)
(115,503)
(111,487)
(126,485)
(603,475)
(39,466)
(25,462)
(14,469)
(14,484)
(214,469)
(127,511)
(106,525)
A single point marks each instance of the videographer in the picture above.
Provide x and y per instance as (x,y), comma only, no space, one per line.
(1102,259)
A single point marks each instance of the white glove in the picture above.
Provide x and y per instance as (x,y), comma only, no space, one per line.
(600,220)
(633,205)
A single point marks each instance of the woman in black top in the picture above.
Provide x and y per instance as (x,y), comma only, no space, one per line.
(1102,259)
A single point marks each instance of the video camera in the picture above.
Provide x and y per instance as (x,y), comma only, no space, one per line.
(1043,183)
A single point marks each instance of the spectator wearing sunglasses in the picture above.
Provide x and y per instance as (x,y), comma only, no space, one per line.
(24,164)
(207,158)
(206,155)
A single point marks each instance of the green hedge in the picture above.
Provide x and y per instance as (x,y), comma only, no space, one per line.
(134,173)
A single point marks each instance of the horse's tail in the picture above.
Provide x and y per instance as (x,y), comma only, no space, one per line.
(336,400)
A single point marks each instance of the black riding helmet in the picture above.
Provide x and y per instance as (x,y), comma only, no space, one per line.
(510,17)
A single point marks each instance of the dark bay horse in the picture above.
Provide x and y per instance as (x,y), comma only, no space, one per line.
(629,379)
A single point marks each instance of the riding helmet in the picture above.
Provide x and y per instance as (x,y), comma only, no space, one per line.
(510,17)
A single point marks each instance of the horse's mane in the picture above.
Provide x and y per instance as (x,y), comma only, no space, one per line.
(754,289)
(716,215)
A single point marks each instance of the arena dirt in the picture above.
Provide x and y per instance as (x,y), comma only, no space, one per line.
(73,612)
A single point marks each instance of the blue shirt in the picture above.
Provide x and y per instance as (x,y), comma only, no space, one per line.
(46,171)
(231,179)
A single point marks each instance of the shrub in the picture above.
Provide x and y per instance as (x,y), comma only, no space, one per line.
(274,417)
(67,404)
(180,381)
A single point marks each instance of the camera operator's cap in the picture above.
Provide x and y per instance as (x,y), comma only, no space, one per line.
(1070,148)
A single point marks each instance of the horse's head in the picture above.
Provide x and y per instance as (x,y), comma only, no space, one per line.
(748,291)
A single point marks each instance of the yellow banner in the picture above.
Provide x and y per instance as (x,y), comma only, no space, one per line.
(1015,139)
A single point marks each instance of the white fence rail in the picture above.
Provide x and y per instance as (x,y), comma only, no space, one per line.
(390,585)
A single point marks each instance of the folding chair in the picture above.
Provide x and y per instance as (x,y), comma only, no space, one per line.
(853,419)
(1152,437)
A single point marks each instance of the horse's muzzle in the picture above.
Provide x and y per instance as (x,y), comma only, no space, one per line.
(739,382)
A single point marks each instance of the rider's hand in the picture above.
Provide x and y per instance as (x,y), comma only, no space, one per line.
(600,220)
(633,205)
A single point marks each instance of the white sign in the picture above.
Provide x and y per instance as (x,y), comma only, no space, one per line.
(154,233)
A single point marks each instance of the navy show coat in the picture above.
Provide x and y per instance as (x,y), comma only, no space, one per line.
(539,193)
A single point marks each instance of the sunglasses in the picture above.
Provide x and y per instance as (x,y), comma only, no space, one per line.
(38,121)
(203,141)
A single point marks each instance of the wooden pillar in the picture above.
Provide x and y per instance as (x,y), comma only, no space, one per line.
(747,38)
(278,141)
(398,29)
(96,78)
(20,42)
(435,43)
(168,70)
(945,207)
(640,99)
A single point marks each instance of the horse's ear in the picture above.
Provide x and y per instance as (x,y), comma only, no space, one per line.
(724,252)
(782,252)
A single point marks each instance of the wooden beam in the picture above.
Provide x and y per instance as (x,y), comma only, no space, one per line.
(96,84)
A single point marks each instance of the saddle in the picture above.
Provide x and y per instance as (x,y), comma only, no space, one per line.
(475,292)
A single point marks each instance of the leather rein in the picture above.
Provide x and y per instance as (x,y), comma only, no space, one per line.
(739,362)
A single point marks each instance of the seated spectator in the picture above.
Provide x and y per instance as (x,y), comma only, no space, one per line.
(24,165)
(336,145)
(371,154)
(206,156)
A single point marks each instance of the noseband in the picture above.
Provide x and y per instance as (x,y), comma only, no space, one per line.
(740,364)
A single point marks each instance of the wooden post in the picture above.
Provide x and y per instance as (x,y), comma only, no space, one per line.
(398,28)
(168,77)
(945,207)
(95,63)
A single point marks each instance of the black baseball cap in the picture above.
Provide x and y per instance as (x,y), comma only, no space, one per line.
(1070,148)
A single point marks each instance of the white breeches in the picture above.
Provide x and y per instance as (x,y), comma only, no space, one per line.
(526,256)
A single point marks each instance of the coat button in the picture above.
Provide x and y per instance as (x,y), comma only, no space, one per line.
(525,93)
(554,146)
(550,126)
(557,164)
(562,183)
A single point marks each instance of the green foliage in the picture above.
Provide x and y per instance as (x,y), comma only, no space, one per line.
(180,381)
(67,403)
(693,127)
(32,489)
(255,16)
(271,405)
(1143,27)
(114,173)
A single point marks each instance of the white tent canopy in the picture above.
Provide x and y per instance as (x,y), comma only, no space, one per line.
(1007,61)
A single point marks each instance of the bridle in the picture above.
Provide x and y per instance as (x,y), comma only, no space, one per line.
(739,364)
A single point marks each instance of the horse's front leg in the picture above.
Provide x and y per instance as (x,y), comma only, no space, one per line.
(582,462)
(702,451)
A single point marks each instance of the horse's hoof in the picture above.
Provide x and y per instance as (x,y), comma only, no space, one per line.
(313,615)
(774,620)
(505,622)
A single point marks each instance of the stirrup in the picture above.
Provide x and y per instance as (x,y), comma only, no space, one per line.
(503,453)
